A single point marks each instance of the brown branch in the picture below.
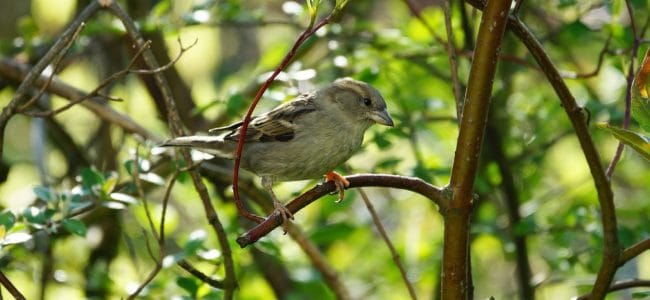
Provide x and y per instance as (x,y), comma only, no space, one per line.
(55,68)
(622,285)
(230,281)
(389,243)
(58,46)
(200,275)
(400,182)
(18,72)
(456,278)
(11,288)
(634,251)
(577,118)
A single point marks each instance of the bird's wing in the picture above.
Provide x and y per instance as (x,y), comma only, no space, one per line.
(276,125)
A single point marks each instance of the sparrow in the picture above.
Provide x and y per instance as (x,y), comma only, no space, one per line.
(301,139)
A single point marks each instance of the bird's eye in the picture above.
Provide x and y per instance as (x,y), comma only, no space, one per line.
(367,101)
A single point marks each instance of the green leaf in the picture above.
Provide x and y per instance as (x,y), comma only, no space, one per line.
(75,226)
(7,219)
(638,142)
(91,177)
(641,111)
(37,215)
(188,284)
(44,193)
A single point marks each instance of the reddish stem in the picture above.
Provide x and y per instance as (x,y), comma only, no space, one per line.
(309,31)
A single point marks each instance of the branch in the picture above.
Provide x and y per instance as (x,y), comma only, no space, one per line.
(400,182)
(18,72)
(456,277)
(634,251)
(389,243)
(22,90)
(11,288)
(623,285)
(230,281)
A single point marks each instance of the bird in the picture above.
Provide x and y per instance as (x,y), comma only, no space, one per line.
(304,138)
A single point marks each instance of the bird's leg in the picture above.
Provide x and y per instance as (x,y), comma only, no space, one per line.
(280,209)
(340,182)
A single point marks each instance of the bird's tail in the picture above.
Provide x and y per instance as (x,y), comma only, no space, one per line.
(210,144)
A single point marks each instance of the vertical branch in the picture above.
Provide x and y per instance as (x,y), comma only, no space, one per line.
(605,195)
(175,124)
(456,278)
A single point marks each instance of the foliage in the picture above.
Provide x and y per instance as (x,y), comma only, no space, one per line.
(95,210)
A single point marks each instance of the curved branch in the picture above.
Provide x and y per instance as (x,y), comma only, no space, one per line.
(413,184)
(623,285)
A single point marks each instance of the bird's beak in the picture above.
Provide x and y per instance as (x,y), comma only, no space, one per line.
(381,117)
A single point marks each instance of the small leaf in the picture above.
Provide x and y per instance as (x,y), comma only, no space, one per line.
(641,111)
(75,226)
(16,238)
(638,142)
(188,284)
(110,183)
(44,193)
(126,198)
(641,80)
(90,177)
(152,178)
(7,219)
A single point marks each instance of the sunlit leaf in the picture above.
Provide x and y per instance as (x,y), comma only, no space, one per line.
(641,112)
(641,80)
(638,142)
(44,193)
(16,238)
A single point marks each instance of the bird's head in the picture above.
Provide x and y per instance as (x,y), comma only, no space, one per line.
(360,101)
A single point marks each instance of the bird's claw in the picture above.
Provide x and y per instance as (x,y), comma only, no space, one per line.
(340,182)
(285,213)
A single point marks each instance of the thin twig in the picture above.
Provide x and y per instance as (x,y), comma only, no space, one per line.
(55,68)
(636,43)
(95,91)
(200,275)
(453,62)
(436,195)
(601,59)
(18,72)
(11,288)
(382,231)
(22,90)
(170,63)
